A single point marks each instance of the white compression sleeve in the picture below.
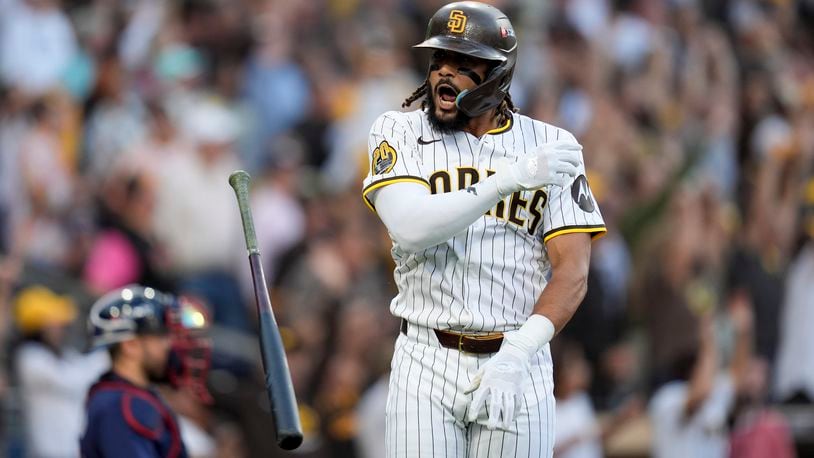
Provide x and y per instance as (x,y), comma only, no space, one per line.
(418,220)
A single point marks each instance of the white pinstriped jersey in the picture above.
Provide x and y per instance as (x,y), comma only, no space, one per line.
(489,277)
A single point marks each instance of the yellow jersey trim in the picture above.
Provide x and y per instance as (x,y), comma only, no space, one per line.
(387,181)
(596,231)
(501,129)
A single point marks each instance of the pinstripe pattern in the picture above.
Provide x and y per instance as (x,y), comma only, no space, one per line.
(484,279)
(489,277)
(426,408)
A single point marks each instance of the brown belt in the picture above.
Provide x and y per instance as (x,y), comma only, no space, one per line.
(469,343)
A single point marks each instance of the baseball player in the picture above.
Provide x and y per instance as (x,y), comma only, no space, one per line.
(151,337)
(491,219)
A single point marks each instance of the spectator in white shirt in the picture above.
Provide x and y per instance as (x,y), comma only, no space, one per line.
(370,412)
(689,414)
(195,215)
(577,431)
(37,43)
(52,377)
(193,193)
(794,380)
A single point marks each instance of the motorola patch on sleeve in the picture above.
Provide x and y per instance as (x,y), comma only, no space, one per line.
(581,194)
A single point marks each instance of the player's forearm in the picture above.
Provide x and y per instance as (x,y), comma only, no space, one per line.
(418,220)
(563,294)
(570,256)
(554,308)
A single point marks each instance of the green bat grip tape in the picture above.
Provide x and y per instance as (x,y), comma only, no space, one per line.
(239,180)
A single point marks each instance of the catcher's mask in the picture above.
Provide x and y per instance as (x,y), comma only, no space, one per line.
(481,31)
(134,310)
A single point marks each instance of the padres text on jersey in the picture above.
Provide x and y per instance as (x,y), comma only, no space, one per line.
(488,277)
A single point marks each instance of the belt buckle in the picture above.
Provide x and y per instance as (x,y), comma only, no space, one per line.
(460,342)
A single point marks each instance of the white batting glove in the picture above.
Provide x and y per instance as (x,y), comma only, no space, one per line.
(498,384)
(550,163)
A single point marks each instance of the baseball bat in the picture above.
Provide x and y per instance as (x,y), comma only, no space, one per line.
(278,378)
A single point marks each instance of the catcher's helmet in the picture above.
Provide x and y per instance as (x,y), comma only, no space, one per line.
(126,313)
(481,31)
(135,310)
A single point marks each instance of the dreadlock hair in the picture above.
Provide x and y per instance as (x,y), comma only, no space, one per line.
(420,92)
(504,110)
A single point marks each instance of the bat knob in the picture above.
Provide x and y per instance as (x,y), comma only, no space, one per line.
(239,179)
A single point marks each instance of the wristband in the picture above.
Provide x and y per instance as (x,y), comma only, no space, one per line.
(533,335)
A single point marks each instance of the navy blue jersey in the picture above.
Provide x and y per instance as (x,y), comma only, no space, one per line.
(125,420)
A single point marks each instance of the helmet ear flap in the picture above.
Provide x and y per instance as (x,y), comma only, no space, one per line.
(489,94)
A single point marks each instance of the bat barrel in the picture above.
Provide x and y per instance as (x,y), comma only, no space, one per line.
(275,364)
(281,391)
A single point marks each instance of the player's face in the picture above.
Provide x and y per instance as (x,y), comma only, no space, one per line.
(451,73)
(155,353)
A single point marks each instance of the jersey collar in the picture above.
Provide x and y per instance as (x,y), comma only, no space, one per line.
(504,128)
(507,126)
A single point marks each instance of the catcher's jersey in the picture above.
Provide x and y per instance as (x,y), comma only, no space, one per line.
(489,277)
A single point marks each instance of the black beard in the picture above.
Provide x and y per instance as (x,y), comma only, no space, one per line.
(154,376)
(445,127)
(162,375)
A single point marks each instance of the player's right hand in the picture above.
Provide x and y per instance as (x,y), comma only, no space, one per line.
(553,163)
(497,386)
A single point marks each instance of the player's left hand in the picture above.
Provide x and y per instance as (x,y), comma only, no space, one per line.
(498,384)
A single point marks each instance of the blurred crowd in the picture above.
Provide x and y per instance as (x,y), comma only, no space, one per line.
(120,122)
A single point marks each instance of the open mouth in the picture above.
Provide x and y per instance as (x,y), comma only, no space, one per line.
(446,96)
